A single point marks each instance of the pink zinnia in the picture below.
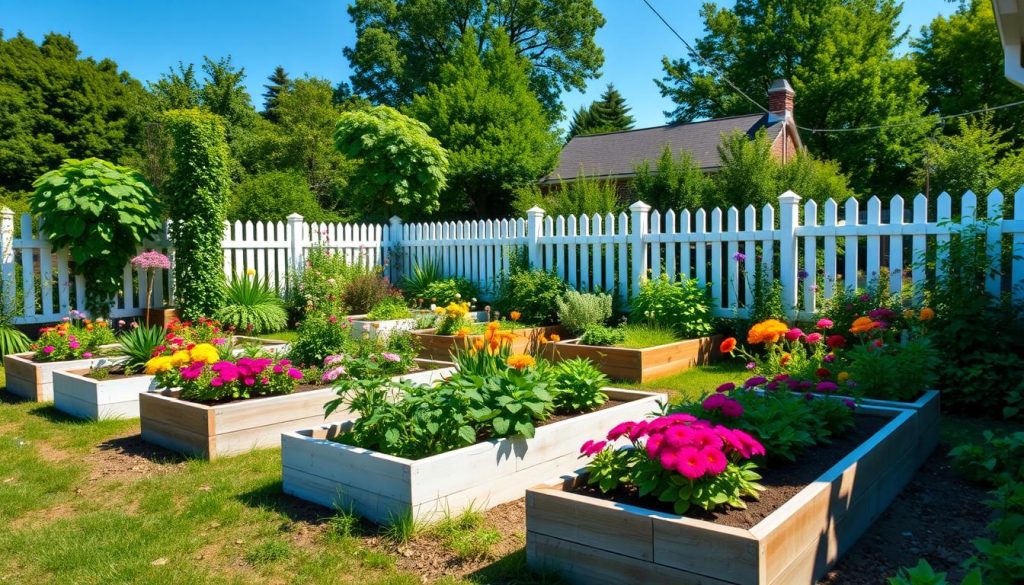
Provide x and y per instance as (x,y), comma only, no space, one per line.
(667,459)
(294,374)
(814,338)
(87,355)
(714,401)
(638,430)
(827,386)
(794,334)
(74,345)
(227,370)
(824,324)
(278,369)
(49,349)
(391,357)
(678,435)
(714,460)
(706,438)
(689,463)
(590,448)
(619,430)
(653,445)
(751,445)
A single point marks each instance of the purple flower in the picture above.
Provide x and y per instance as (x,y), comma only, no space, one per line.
(727,387)
(151,260)
(826,386)
(829,358)
(739,257)
(194,371)
(755,381)
(849,403)
(751,365)
(802,274)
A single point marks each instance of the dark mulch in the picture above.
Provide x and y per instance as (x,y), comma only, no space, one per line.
(782,482)
(611,402)
(936,517)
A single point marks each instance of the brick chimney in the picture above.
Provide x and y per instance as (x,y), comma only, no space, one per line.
(780,100)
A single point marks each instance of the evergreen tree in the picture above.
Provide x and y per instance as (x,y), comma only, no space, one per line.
(279,83)
(841,58)
(493,126)
(582,123)
(611,112)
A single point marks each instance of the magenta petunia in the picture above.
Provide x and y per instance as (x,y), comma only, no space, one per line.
(678,435)
(714,401)
(294,374)
(638,430)
(755,381)
(227,370)
(193,371)
(714,460)
(619,430)
(590,448)
(826,386)
(689,463)
(653,445)
(727,387)
(814,338)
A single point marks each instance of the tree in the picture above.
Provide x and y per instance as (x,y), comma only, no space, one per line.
(960,58)
(607,114)
(970,159)
(224,93)
(584,196)
(401,44)
(279,83)
(177,90)
(493,127)
(273,196)
(673,184)
(401,167)
(55,105)
(839,55)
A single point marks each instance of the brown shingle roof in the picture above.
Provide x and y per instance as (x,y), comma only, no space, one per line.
(616,154)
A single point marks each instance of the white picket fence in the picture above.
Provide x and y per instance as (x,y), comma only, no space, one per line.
(611,253)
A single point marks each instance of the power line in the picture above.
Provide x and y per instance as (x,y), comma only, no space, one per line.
(937,120)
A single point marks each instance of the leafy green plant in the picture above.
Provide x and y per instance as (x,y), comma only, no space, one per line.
(997,460)
(139,344)
(533,293)
(847,305)
(424,273)
(577,311)
(11,339)
(195,195)
(924,574)
(365,291)
(601,335)
(449,290)
(641,335)
(578,385)
(321,283)
(319,336)
(101,213)
(893,371)
(508,403)
(250,305)
(683,305)
(388,309)
(1000,557)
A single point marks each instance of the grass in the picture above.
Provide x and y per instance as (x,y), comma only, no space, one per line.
(467,535)
(286,335)
(641,335)
(693,383)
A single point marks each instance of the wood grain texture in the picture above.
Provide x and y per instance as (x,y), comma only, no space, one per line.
(640,365)
(83,397)
(796,544)
(34,380)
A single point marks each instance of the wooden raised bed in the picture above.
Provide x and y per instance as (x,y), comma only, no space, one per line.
(383,488)
(215,431)
(440,347)
(80,396)
(34,380)
(591,540)
(361,325)
(639,365)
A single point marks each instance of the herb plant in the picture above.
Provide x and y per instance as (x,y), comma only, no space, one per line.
(364,291)
(449,290)
(683,305)
(601,335)
(577,311)
(578,384)
(389,308)
(533,293)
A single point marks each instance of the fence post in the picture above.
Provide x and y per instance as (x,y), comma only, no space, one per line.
(638,250)
(789,219)
(7,259)
(395,256)
(296,241)
(535,224)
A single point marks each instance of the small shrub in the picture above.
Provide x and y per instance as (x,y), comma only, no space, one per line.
(100,374)
(924,574)
(319,335)
(365,291)
(578,385)
(453,319)
(320,285)
(533,293)
(251,306)
(996,461)
(577,311)
(140,344)
(449,290)
(893,371)
(684,305)
(603,336)
(389,308)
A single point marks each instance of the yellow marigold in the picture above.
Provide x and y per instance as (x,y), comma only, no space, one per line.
(463,331)
(555,338)
(927,314)
(250,272)
(204,352)
(456,310)
(843,376)
(863,325)
(520,361)
(181,358)
(159,364)
(767,331)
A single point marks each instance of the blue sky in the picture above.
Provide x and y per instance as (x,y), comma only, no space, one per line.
(307,36)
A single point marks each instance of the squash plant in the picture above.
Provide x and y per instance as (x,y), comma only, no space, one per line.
(101,213)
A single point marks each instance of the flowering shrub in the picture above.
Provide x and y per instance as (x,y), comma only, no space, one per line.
(203,377)
(372,358)
(389,308)
(74,338)
(678,459)
(847,305)
(453,319)
(533,293)
(320,285)
(320,335)
(450,290)
(364,291)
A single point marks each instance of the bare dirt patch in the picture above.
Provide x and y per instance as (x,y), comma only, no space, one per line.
(130,458)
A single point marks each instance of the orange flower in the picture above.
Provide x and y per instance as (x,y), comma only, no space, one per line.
(555,338)
(863,325)
(543,339)
(493,346)
(767,331)
(520,361)
(493,325)
(463,331)
(89,327)
(728,345)
(784,359)
(478,343)
(927,314)
(515,315)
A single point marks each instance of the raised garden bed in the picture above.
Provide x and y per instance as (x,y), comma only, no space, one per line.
(640,365)
(440,347)
(33,380)
(211,431)
(383,488)
(595,540)
(361,325)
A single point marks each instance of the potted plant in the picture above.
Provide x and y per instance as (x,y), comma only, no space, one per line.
(149,262)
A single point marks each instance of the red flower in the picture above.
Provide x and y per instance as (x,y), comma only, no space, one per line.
(836,341)
(728,345)
(823,373)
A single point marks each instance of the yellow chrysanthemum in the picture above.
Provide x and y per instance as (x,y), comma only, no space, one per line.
(520,361)
(767,331)
(204,352)
(181,358)
(159,364)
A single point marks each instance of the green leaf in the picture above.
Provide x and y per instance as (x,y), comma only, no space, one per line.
(501,425)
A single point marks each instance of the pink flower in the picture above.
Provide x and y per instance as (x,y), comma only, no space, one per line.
(814,338)
(218,341)
(590,448)
(620,429)
(849,403)
(333,359)
(824,324)
(678,436)
(391,357)
(151,260)
(278,369)
(689,463)
(217,382)
(714,401)
(755,381)
(829,358)
(228,371)
(714,460)
(727,387)
(192,372)
(706,437)
(135,324)
(87,355)
(751,446)
(120,323)
(638,430)
(49,349)
(751,365)
(732,409)
(794,334)
(653,445)
(74,345)
(667,459)
(249,381)
(826,386)
(332,374)
(294,374)
(332,319)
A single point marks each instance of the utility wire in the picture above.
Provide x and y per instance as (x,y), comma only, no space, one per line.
(938,120)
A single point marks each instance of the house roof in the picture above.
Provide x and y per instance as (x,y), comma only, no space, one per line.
(616,154)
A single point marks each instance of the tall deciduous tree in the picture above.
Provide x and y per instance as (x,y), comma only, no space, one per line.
(279,83)
(961,60)
(492,125)
(674,183)
(401,44)
(839,55)
(977,156)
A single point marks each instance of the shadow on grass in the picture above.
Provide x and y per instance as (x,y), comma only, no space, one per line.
(270,497)
(51,414)
(8,398)
(134,446)
(512,570)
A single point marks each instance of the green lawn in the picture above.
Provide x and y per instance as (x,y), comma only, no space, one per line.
(695,382)
(287,335)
